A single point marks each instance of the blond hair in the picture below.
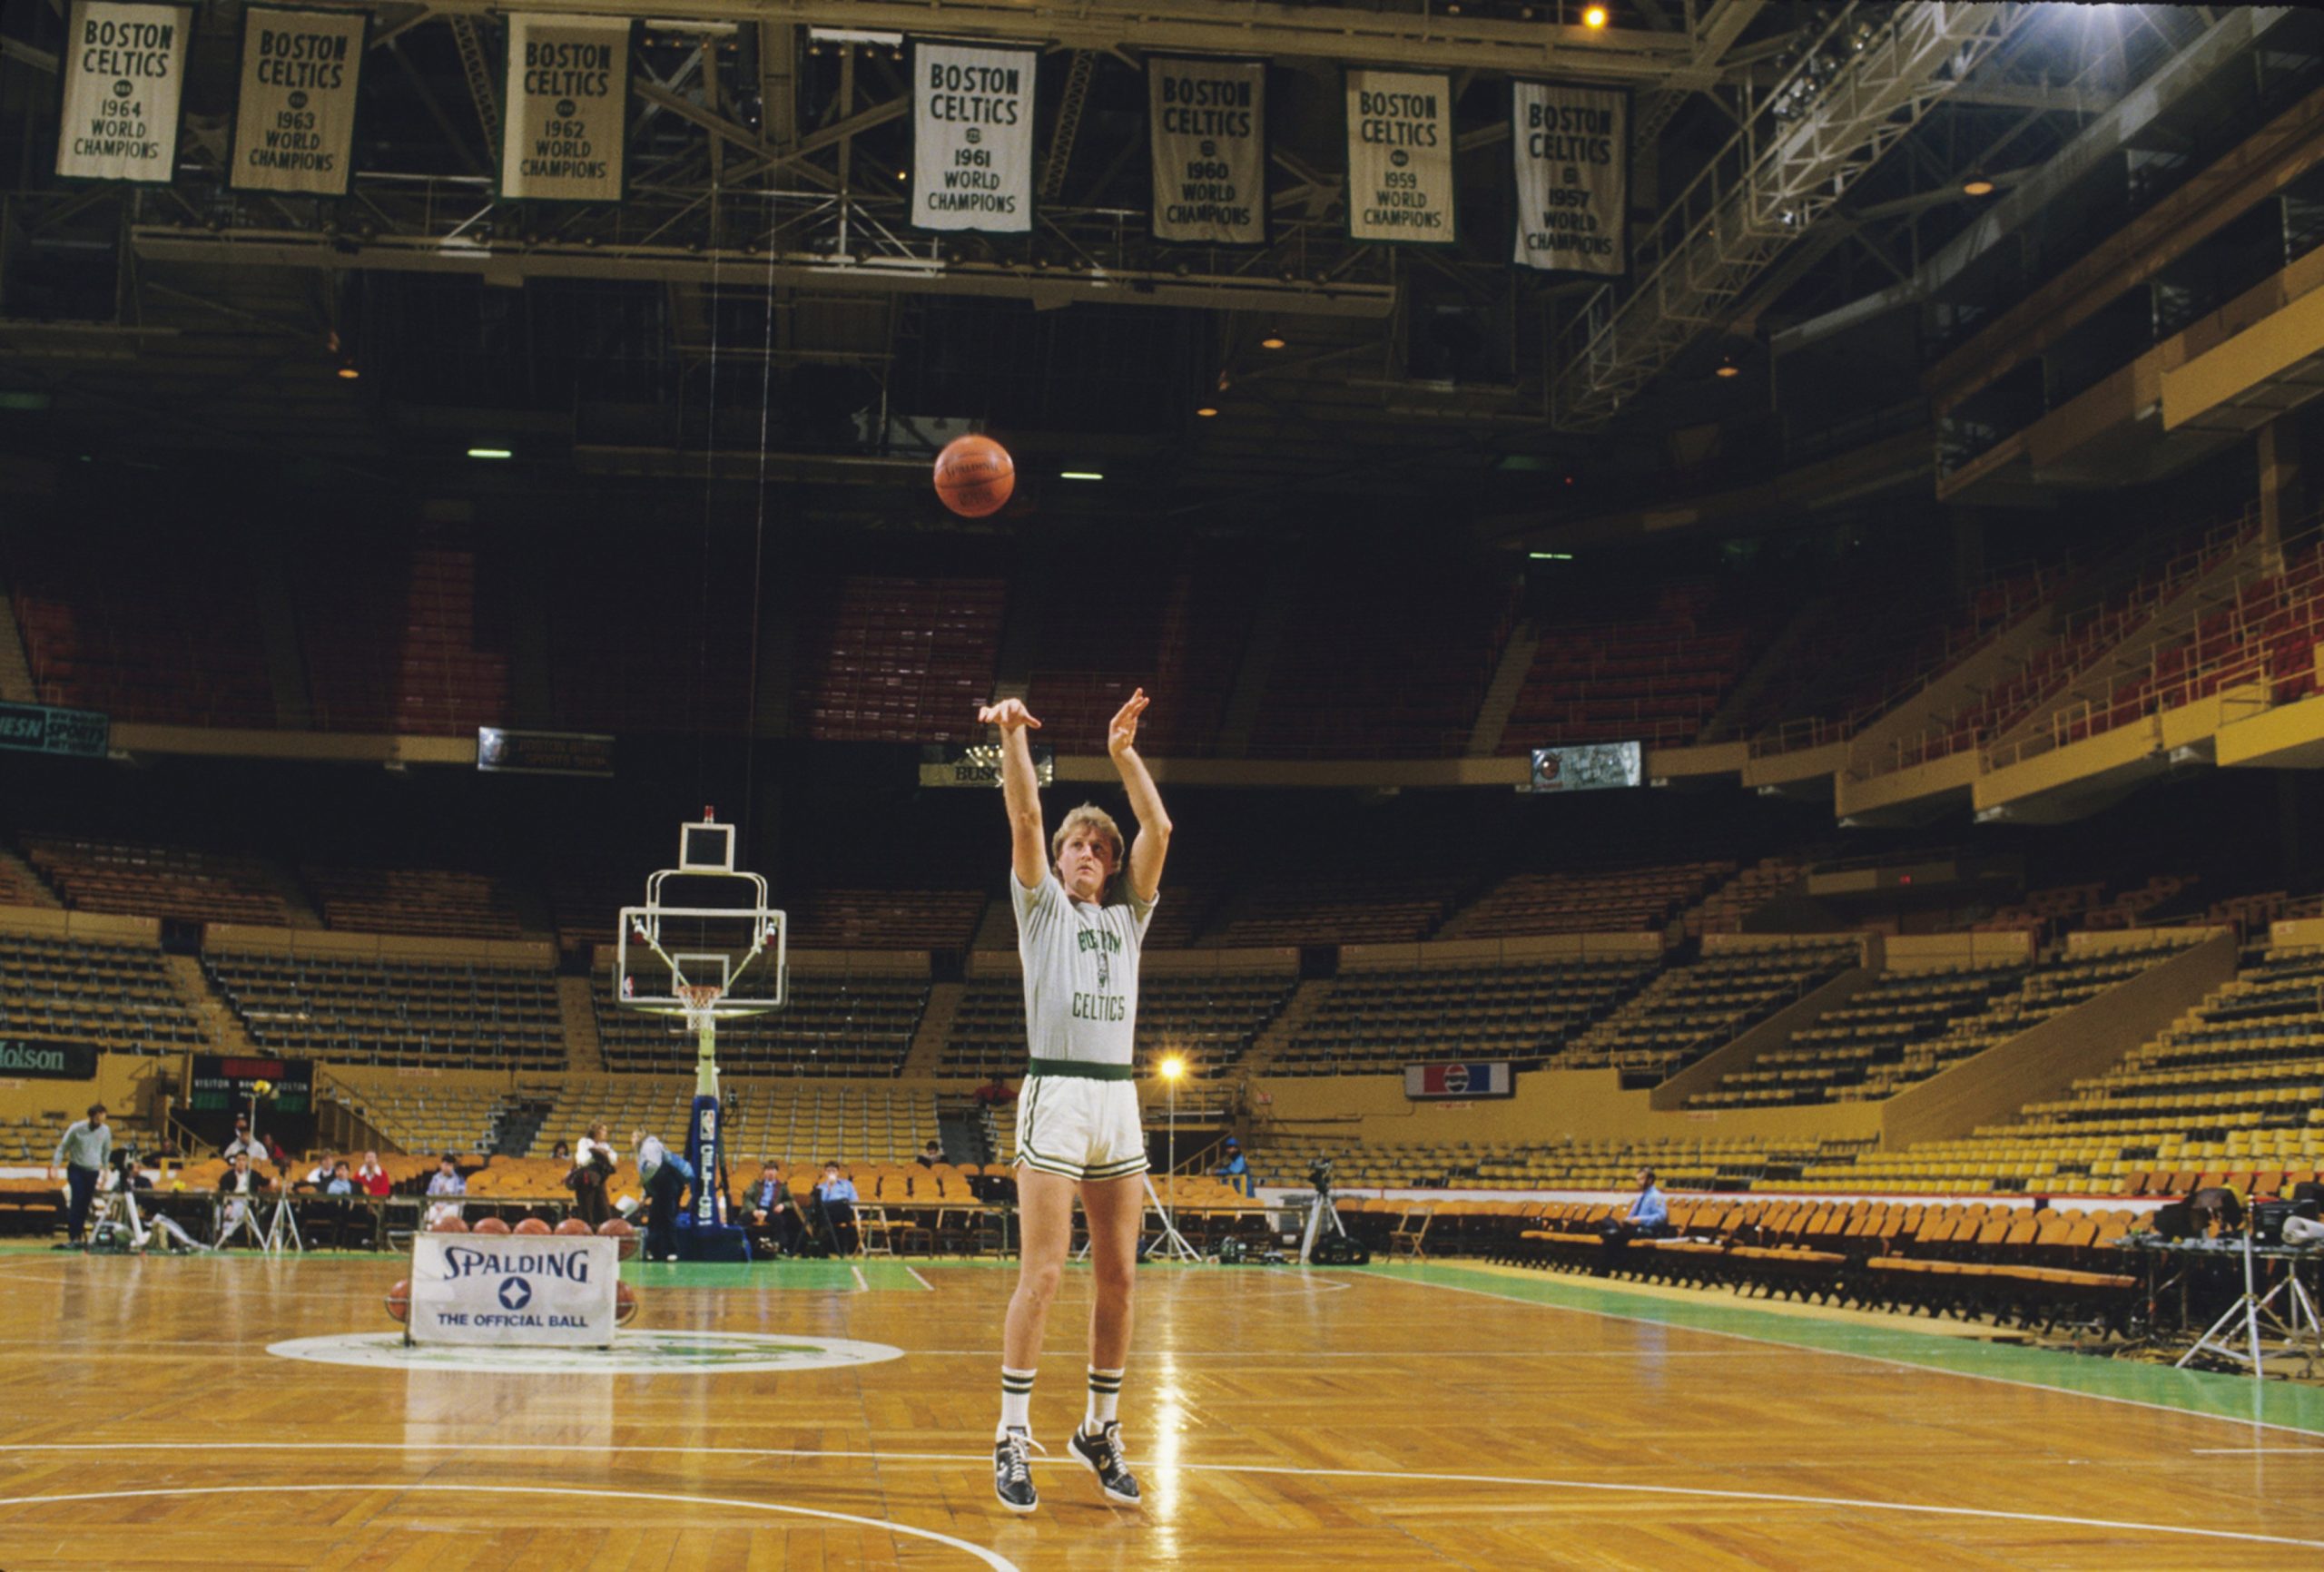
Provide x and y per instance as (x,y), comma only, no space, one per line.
(1096,818)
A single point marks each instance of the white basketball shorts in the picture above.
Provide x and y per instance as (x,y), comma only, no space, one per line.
(1078,1128)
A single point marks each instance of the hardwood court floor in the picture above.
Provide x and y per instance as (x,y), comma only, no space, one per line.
(1437,1417)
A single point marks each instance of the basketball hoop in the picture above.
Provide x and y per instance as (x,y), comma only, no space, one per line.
(700,1002)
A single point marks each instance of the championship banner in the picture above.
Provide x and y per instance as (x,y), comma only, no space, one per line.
(294,122)
(1400,157)
(563,129)
(1208,129)
(1485,1078)
(124,70)
(538,1291)
(972,137)
(1571,150)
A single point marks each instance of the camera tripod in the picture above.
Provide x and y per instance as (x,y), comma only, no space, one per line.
(2253,1309)
(1319,1212)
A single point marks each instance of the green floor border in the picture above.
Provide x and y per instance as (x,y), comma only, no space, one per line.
(2284,1404)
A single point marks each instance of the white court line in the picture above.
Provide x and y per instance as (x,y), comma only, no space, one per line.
(949,1460)
(916,1277)
(977,1551)
(1880,1359)
(860,1286)
(2256,1451)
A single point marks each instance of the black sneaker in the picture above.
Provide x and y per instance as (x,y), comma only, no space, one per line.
(1012,1470)
(1103,1453)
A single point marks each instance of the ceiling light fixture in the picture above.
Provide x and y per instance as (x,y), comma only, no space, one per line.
(1594,17)
(491,453)
(1273,340)
(1978,183)
(1206,411)
(1079,475)
(1726,368)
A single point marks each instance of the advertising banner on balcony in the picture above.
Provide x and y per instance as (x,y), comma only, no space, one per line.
(1208,129)
(294,122)
(971,137)
(1479,1078)
(1400,157)
(124,70)
(1571,149)
(567,115)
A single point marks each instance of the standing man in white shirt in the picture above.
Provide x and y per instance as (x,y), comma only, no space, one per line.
(83,1153)
(1078,1125)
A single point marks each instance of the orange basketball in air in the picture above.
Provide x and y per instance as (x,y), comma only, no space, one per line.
(974,476)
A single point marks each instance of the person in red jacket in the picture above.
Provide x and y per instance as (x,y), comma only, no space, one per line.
(372,1179)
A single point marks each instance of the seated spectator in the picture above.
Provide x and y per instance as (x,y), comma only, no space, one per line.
(772,1225)
(930,1155)
(444,1188)
(561,1153)
(372,1179)
(994,1093)
(1647,1218)
(1237,1169)
(244,1144)
(836,1196)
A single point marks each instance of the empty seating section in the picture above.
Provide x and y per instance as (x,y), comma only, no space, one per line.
(135,881)
(779,1121)
(1608,900)
(118,996)
(450,1015)
(20,886)
(2265,636)
(884,918)
(860,1023)
(1524,1012)
(896,660)
(1209,1020)
(1725,907)
(1871,650)
(422,901)
(1904,1025)
(1371,661)
(401,643)
(2085,637)
(1910,1024)
(1653,669)
(143,622)
(1187,903)
(1346,909)
(655,642)
(1689,1010)
(1180,633)
(431,1119)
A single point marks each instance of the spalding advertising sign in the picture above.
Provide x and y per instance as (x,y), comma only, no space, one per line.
(537,1291)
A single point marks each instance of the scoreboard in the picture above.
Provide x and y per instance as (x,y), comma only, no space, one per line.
(221,1088)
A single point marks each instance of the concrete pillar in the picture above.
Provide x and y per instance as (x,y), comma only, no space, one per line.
(2283,491)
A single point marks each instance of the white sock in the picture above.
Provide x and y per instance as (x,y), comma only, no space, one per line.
(1016,1400)
(1105,1394)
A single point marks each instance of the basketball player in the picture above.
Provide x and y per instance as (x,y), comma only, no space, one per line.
(1078,1129)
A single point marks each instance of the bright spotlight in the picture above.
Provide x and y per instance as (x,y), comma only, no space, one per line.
(1173,1067)
(1594,17)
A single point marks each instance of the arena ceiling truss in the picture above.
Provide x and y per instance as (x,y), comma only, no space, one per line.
(1796,158)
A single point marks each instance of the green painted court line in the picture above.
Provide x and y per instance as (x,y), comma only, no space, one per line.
(2208,1393)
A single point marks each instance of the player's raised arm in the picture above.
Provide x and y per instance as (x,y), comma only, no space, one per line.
(1153,842)
(1028,853)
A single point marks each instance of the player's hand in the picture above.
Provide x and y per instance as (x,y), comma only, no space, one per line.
(51,1175)
(1121,732)
(1010,715)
